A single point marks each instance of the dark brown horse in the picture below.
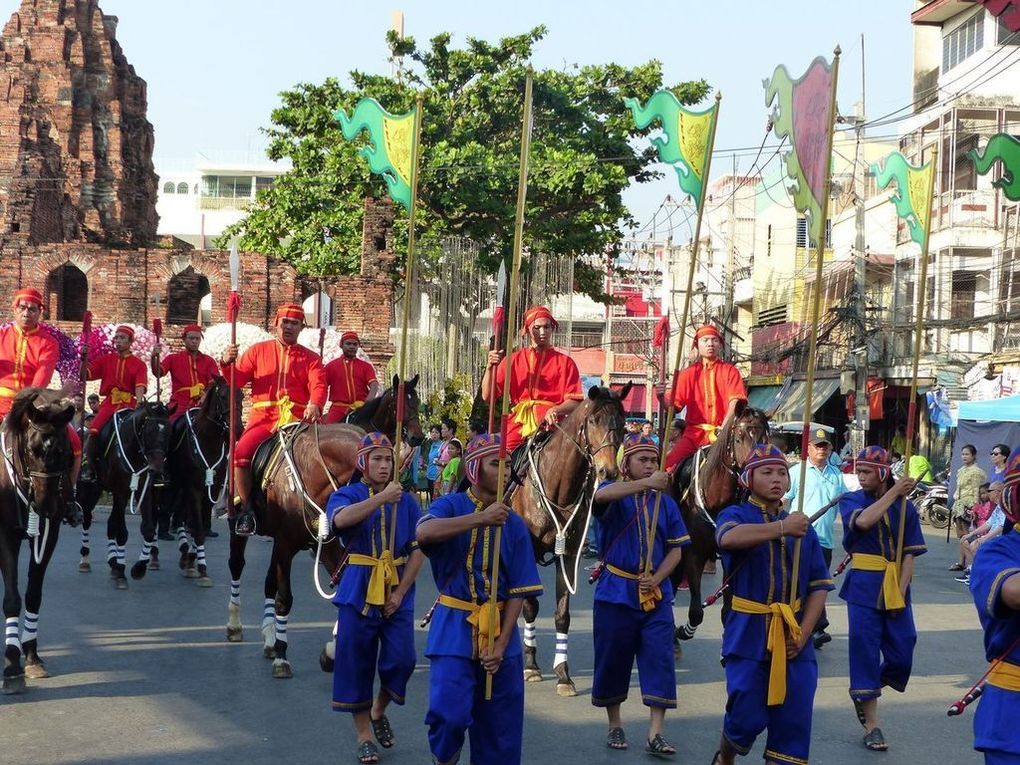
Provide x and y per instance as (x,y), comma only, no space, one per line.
(555,501)
(290,494)
(33,497)
(712,488)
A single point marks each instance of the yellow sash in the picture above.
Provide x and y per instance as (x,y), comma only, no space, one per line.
(524,414)
(647,600)
(480,617)
(783,622)
(713,431)
(352,405)
(891,595)
(195,391)
(7,392)
(384,574)
(1006,676)
(118,396)
(286,414)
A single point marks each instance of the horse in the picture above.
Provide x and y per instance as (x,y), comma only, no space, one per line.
(197,467)
(130,466)
(555,502)
(33,487)
(296,471)
(713,487)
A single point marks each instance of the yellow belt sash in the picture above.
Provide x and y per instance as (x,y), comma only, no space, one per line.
(891,594)
(194,391)
(384,574)
(286,413)
(524,414)
(7,392)
(713,431)
(783,622)
(118,396)
(1006,676)
(352,405)
(480,617)
(647,600)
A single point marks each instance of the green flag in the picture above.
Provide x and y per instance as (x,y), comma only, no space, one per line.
(391,151)
(913,195)
(1006,149)
(685,145)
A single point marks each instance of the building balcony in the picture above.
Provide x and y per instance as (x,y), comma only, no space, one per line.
(972,208)
(224,203)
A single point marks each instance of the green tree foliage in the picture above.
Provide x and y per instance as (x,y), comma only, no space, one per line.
(583,156)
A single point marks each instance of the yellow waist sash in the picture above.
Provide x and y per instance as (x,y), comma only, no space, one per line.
(118,396)
(712,430)
(891,595)
(194,391)
(352,405)
(7,392)
(384,574)
(647,600)
(286,413)
(480,617)
(524,414)
(1006,676)
(783,622)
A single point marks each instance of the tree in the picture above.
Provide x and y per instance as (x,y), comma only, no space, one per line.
(583,157)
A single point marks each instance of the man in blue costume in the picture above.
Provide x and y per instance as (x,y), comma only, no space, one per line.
(633,610)
(376,522)
(771,672)
(458,535)
(877,591)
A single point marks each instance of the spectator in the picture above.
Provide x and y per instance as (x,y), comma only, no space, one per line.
(78,421)
(430,457)
(475,429)
(968,480)
(919,468)
(94,403)
(999,455)
(447,431)
(983,508)
(452,471)
(676,431)
(990,529)
(899,441)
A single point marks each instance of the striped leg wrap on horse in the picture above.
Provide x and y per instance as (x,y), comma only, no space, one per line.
(30,627)
(268,609)
(561,649)
(200,555)
(84,537)
(11,632)
(146,550)
(111,551)
(281,628)
(529,635)
(121,555)
(235,592)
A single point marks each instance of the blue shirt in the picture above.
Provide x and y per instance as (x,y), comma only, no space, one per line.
(995,562)
(864,588)
(623,533)
(762,573)
(997,519)
(462,568)
(371,537)
(822,486)
(432,470)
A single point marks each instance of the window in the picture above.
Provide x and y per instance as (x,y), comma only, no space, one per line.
(186,292)
(964,289)
(168,187)
(1003,36)
(963,42)
(802,235)
(67,290)
(182,188)
(770,316)
(262,183)
(227,186)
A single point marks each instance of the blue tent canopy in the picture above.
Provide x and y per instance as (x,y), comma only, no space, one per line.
(994,410)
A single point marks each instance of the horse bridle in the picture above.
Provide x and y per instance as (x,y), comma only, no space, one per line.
(746,428)
(587,451)
(21,476)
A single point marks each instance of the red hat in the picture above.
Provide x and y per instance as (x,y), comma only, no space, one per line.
(876,457)
(369,443)
(191,328)
(707,330)
(349,335)
(480,447)
(634,443)
(28,295)
(761,455)
(125,329)
(535,313)
(290,311)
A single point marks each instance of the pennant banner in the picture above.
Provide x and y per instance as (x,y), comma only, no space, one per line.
(1006,149)
(391,153)
(911,198)
(685,145)
(803,114)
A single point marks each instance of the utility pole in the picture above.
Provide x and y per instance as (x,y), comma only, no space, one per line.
(860,339)
(731,260)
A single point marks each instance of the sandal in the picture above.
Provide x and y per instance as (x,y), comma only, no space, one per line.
(616,739)
(716,756)
(859,709)
(955,567)
(383,732)
(367,753)
(875,741)
(660,747)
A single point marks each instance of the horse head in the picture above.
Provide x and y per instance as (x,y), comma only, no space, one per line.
(153,434)
(38,425)
(215,404)
(750,427)
(411,424)
(602,429)
(381,413)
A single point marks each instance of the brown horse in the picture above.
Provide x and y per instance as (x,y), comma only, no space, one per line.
(33,496)
(555,501)
(291,493)
(712,488)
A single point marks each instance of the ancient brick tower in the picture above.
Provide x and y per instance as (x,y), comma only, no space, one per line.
(75,143)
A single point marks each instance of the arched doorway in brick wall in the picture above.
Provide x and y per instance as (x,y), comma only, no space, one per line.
(188,298)
(67,293)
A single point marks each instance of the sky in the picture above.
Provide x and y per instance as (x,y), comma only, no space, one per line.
(214,68)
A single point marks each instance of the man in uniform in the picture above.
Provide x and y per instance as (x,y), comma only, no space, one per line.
(711,389)
(123,379)
(288,383)
(190,371)
(544,383)
(352,381)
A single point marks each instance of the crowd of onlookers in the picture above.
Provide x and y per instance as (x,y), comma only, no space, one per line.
(976,512)
(435,468)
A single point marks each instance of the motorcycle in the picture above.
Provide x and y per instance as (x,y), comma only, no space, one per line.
(932,502)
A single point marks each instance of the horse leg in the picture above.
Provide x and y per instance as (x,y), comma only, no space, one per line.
(148,529)
(34,666)
(532,672)
(564,684)
(198,532)
(14,675)
(695,612)
(236,565)
(87,497)
(284,602)
(270,589)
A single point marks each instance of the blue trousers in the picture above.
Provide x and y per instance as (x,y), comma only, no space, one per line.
(623,634)
(365,644)
(881,650)
(995,726)
(457,707)
(747,713)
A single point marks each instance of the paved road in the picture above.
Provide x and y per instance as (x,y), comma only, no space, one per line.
(145,676)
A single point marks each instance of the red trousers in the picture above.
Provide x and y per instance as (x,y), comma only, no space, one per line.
(692,439)
(106,411)
(337,412)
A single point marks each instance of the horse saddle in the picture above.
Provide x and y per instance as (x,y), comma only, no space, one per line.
(179,430)
(269,455)
(686,471)
(519,456)
(107,436)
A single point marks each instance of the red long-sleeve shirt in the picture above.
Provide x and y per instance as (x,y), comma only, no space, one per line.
(279,372)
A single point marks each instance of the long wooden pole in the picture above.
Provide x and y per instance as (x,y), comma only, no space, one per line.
(918,340)
(816,308)
(511,324)
(681,346)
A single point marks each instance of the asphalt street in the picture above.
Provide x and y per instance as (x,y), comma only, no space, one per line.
(146,676)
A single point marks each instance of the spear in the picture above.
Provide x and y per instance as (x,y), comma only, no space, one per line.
(233,309)
(157,329)
(83,369)
(497,338)
(515,275)
(322,342)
